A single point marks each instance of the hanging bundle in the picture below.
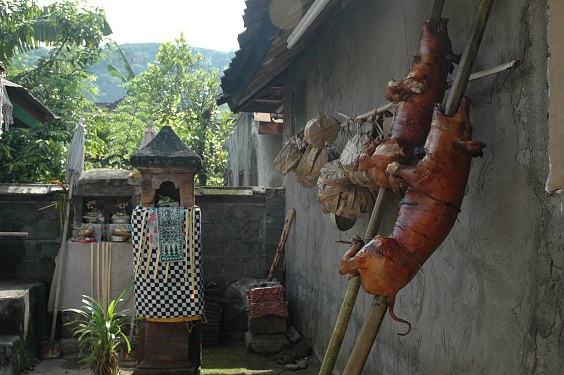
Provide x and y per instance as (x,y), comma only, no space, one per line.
(309,167)
(289,157)
(336,194)
(353,149)
(321,131)
(333,174)
(303,171)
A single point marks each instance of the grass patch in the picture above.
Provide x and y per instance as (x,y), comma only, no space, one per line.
(234,360)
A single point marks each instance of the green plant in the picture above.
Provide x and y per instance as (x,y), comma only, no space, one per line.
(99,331)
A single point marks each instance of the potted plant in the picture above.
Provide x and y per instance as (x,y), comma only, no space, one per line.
(99,332)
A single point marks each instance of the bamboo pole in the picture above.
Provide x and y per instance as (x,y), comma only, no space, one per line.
(367,335)
(386,107)
(62,260)
(436,12)
(92,269)
(468,57)
(97,273)
(109,272)
(352,291)
(14,234)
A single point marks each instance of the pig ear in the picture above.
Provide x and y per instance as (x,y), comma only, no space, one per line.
(474,148)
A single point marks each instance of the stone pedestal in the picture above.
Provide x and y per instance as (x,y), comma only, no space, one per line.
(167,169)
(169,348)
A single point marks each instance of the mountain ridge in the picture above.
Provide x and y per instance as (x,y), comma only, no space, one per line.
(139,55)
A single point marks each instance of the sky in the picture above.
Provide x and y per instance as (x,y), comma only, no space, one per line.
(212,24)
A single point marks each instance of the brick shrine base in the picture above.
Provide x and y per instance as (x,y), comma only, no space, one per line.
(171,348)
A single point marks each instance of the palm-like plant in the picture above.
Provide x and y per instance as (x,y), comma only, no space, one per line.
(99,331)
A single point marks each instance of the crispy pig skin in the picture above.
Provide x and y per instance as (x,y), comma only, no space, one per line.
(434,191)
(416,95)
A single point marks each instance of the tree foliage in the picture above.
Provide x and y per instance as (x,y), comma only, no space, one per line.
(177,91)
(57,78)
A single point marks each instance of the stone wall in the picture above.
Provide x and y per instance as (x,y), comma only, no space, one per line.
(240,228)
(23,208)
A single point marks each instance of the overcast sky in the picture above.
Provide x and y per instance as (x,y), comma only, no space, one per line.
(212,24)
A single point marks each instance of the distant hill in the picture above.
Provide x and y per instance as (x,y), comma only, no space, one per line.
(139,56)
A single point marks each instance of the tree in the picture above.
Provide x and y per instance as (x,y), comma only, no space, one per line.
(177,91)
(25,26)
(58,78)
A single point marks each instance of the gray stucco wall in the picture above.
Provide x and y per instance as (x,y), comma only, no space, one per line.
(252,153)
(489,301)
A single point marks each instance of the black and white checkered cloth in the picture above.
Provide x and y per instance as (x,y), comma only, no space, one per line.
(172,293)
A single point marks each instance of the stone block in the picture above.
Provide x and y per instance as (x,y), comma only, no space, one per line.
(293,335)
(49,249)
(68,346)
(275,207)
(257,310)
(12,355)
(266,344)
(35,270)
(68,320)
(266,294)
(22,314)
(43,230)
(268,325)
(236,306)
(241,249)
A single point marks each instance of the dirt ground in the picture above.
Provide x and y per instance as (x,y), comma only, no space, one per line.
(231,359)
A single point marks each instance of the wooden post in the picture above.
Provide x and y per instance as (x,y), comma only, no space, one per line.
(287,225)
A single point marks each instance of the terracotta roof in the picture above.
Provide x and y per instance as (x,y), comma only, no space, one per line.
(253,82)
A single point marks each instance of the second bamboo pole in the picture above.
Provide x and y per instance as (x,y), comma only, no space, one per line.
(352,291)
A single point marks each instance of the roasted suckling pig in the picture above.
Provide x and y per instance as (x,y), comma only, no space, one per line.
(434,189)
(416,95)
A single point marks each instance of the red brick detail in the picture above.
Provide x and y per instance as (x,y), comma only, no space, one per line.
(257,310)
(168,345)
(267,294)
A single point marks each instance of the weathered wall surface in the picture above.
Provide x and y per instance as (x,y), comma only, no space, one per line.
(240,140)
(489,301)
(23,210)
(252,153)
(240,232)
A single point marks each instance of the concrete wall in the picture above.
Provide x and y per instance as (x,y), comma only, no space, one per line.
(22,210)
(253,154)
(489,301)
(240,232)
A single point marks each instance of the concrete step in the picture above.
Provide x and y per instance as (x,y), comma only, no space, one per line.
(12,355)
(23,315)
